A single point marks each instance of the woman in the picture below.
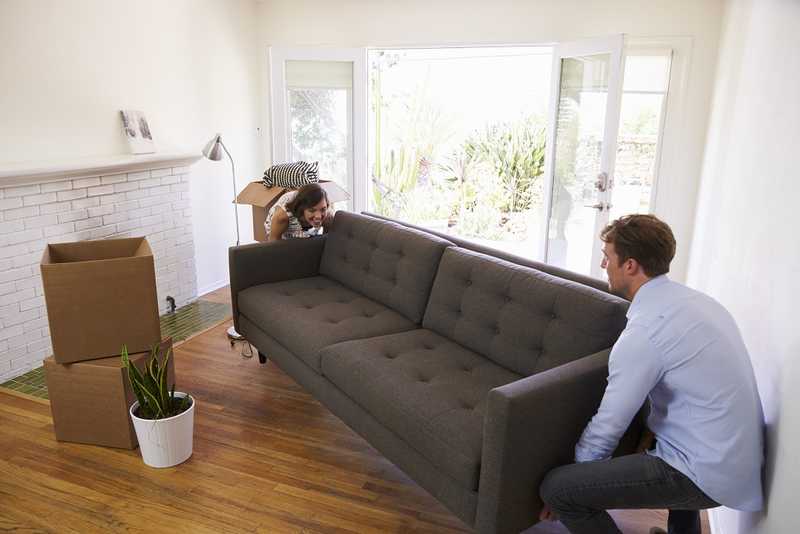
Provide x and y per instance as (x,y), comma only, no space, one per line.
(300,213)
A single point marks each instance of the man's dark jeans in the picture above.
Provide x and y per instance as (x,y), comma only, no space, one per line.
(581,493)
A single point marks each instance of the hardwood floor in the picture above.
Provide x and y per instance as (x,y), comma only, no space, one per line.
(267,458)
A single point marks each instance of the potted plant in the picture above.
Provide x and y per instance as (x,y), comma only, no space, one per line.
(162,417)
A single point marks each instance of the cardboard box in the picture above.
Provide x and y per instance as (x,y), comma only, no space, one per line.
(90,400)
(99,296)
(262,198)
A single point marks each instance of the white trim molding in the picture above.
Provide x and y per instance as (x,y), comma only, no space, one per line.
(40,172)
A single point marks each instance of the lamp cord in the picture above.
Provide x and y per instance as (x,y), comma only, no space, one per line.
(235,206)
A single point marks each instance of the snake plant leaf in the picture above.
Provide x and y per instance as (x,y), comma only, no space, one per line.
(162,379)
(146,400)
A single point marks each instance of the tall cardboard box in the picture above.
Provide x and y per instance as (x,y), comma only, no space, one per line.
(90,400)
(261,198)
(99,296)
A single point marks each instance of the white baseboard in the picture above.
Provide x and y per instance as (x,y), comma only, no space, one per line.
(212,287)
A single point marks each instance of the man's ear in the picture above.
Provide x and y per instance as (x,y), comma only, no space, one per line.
(632,267)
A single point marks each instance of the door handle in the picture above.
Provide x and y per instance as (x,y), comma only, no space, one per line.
(599,206)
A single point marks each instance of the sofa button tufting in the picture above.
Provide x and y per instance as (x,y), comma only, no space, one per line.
(468,283)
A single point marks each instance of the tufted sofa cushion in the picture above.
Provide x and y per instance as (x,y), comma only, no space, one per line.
(521,318)
(307,314)
(426,389)
(386,262)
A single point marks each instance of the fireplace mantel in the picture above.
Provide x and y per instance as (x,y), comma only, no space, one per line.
(50,171)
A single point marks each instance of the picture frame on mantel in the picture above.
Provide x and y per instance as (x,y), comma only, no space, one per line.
(137,132)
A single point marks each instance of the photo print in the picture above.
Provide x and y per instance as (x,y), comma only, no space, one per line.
(137,132)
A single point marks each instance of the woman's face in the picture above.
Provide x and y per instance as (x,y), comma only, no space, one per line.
(316,214)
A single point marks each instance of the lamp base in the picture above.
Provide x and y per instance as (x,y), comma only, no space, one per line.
(233,335)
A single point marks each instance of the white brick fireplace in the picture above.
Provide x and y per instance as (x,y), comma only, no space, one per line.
(113,197)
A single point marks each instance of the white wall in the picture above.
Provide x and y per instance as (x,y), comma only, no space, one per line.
(192,66)
(746,251)
(419,22)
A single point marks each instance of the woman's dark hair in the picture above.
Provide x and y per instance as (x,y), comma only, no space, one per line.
(307,196)
(645,238)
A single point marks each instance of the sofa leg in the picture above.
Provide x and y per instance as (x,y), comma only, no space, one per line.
(262,358)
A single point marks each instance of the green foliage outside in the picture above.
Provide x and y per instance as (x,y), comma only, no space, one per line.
(156,399)
(483,187)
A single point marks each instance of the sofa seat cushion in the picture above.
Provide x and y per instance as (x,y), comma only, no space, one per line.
(428,390)
(307,314)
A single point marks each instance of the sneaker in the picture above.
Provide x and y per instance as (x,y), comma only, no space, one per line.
(657,530)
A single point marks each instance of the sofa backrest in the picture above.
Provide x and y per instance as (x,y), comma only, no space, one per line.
(523,319)
(596,283)
(385,261)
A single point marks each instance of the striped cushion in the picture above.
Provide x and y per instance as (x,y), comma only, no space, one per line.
(291,175)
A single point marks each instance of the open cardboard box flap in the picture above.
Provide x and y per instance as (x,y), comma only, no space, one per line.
(258,194)
(261,198)
(100,295)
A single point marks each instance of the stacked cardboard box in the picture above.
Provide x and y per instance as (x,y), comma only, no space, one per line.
(99,295)
(90,400)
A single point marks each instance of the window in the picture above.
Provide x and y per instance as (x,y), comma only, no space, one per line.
(456,140)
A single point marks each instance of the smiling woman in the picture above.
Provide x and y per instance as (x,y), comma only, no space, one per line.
(303,213)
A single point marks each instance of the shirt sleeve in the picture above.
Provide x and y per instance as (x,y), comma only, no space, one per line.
(634,368)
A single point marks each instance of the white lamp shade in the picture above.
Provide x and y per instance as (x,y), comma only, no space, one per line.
(213,149)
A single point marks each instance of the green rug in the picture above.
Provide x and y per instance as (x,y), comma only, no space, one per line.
(186,320)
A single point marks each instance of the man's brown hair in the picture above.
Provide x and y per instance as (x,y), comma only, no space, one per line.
(645,238)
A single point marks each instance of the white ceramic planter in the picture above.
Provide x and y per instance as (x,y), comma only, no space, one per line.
(165,442)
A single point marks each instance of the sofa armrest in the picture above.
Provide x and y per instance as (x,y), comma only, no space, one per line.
(531,426)
(262,263)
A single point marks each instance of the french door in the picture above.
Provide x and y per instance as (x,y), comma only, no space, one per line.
(581,149)
(605,130)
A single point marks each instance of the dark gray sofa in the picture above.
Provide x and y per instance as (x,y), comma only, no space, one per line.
(473,374)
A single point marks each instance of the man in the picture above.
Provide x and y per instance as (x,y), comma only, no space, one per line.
(683,351)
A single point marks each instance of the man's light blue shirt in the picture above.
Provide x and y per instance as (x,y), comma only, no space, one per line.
(683,350)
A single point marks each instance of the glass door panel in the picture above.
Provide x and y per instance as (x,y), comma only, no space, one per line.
(579,140)
(319,130)
(584,120)
(643,109)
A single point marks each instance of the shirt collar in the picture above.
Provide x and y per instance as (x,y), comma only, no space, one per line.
(645,292)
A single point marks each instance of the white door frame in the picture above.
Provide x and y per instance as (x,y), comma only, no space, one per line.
(357,160)
(612,45)
(672,138)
